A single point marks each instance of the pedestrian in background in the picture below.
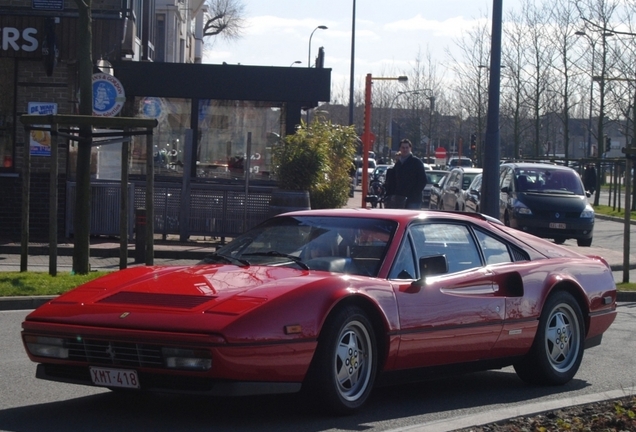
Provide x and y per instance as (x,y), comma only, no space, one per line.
(410,177)
(589,178)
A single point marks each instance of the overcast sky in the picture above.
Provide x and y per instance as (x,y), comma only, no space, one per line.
(389,34)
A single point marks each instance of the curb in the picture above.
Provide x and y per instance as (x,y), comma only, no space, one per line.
(493,416)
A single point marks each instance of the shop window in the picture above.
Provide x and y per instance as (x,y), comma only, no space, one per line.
(224,130)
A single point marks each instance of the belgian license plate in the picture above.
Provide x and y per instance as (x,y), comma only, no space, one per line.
(557,225)
(108,377)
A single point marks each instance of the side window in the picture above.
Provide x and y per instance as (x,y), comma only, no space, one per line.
(452,240)
(404,265)
(506,179)
(495,251)
(452,180)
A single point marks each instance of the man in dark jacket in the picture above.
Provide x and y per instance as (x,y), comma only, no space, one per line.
(410,177)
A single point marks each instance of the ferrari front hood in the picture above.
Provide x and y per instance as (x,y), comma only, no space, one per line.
(181,296)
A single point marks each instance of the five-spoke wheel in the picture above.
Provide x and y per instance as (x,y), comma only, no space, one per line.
(557,350)
(343,369)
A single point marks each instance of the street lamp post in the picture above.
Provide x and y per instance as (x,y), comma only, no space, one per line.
(366,136)
(589,121)
(321,27)
(296,62)
(601,115)
(353,49)
(430,127)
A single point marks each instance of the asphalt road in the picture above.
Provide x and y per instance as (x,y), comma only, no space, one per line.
(31,405)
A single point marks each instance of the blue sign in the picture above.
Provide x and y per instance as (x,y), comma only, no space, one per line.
(152,107)
(108,95)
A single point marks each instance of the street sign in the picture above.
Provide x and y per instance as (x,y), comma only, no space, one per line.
(440,153)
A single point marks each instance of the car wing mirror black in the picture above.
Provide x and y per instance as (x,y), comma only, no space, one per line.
(505,189)
(432,266)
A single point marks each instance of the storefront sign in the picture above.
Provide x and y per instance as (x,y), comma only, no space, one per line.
(13,39)
(39,140)
(108,95)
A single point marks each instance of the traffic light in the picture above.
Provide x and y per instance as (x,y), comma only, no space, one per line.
(608,144)
(473,143)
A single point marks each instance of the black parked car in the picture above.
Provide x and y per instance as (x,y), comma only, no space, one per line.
(546,200)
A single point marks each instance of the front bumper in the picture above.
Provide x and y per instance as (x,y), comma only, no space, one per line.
(574,228)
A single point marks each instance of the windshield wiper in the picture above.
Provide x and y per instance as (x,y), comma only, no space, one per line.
(216,257)
(273,253)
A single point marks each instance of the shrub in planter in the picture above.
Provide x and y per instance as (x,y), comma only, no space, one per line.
(317,158)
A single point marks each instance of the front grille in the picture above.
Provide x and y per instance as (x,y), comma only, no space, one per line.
(545,214)
(153,299)
(115,353)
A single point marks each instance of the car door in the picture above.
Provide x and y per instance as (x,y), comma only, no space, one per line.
(453,317)
(448,197)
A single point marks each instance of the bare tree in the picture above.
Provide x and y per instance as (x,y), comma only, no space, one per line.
(225,18)
(565,27)
(472,76)
(513,79)
(539,56)
(597,15)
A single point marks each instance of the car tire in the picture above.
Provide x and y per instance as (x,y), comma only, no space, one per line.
(559,240)
(584,242)
(557,350)
(343,370)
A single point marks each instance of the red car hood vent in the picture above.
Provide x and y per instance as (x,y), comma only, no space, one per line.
(159,300)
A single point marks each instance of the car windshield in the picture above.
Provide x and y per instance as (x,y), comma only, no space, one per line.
(434,176)
(336,244)
(548,180)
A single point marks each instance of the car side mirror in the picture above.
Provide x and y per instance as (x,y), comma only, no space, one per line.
(431,266)
(505,189)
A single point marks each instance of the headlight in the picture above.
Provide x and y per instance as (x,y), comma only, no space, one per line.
(588,213)
(43,346)
(520,208)
(178,358)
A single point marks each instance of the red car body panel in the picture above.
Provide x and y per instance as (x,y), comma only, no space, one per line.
(243,315)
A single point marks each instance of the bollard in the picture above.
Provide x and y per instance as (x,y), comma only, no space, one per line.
(140,235)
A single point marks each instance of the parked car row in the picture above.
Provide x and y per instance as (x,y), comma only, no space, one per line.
(546,200)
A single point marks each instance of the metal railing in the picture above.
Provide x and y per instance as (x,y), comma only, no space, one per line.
(216,210)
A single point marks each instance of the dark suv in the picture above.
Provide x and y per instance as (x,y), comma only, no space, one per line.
(546,200)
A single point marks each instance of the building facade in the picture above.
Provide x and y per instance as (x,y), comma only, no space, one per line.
(152,47)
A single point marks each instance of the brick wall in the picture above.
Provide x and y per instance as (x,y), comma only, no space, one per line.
(33,85)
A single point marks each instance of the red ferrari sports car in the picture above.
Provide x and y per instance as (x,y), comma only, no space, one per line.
(331,303)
